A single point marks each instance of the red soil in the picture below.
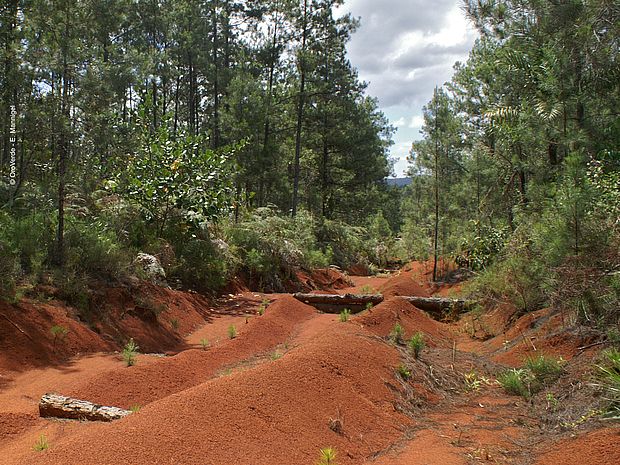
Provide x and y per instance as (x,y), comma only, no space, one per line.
(381,320)
(235,403)
(279,412)
(405,283)
(26,340)
(595,448)
(141,385)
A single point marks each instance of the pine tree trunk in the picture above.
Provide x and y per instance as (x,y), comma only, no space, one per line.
(300,113)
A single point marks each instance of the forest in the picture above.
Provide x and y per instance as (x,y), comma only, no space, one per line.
(235,138)
(206,256)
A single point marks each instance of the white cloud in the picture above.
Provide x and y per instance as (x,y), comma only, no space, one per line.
(404,48)
(416,122)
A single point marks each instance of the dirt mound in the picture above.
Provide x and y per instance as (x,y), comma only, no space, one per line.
(594,448)
(142,384)
(27,340)
(323,279)
(276,412)
(405,283)
(381,320)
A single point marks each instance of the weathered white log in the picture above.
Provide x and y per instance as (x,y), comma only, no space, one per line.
(438,304)
(358,302)
(334,303)
(53,405)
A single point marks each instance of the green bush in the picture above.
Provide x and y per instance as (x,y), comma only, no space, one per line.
(397,333)
(545,369)
(344,315)
(94,249)
(416,344)
(610,380)
(130,351)
(515,382)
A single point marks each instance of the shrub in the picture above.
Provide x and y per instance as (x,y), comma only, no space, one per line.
(135,408)
(344,315)
(59,332)
(397,334)
(403,372)
(544,369)
(416,344)
(174,323)
(232,332)
(515,382)
(93,249)
(610,380)
(130,351)
(204,343)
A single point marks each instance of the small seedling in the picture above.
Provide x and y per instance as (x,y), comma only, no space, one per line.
(327,456)
(397,334)
(59,333)
(369,305)
(344,315)
(404,372)
(473,381)
(416,344)
(275,355)
(135,408)
(174,323)
(129,352)
(367,290)
(232,332)
(552,402)
(204,342)
(41,444)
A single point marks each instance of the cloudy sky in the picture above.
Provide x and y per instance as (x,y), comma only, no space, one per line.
(404,48)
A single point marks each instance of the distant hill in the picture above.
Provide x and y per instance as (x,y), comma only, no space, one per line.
(398,182)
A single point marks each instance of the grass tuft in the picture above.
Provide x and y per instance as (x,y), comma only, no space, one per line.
(327,456)
(345,315)
(41,444)
(232,332)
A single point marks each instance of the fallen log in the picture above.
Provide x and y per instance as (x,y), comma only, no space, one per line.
(439,305)
(334,303)
(53,405)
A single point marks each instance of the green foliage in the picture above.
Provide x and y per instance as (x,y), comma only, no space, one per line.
(135,408)
(204,342)
(41,444)
(327,456)
(59,332)
(397,333)
(345,315)
(610,380)
(232,332)
(403,372)
(515,381)
(130,351)
(416,344)
(174,323)
(545,369)
(176,176)
(537,373)
(478,252)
